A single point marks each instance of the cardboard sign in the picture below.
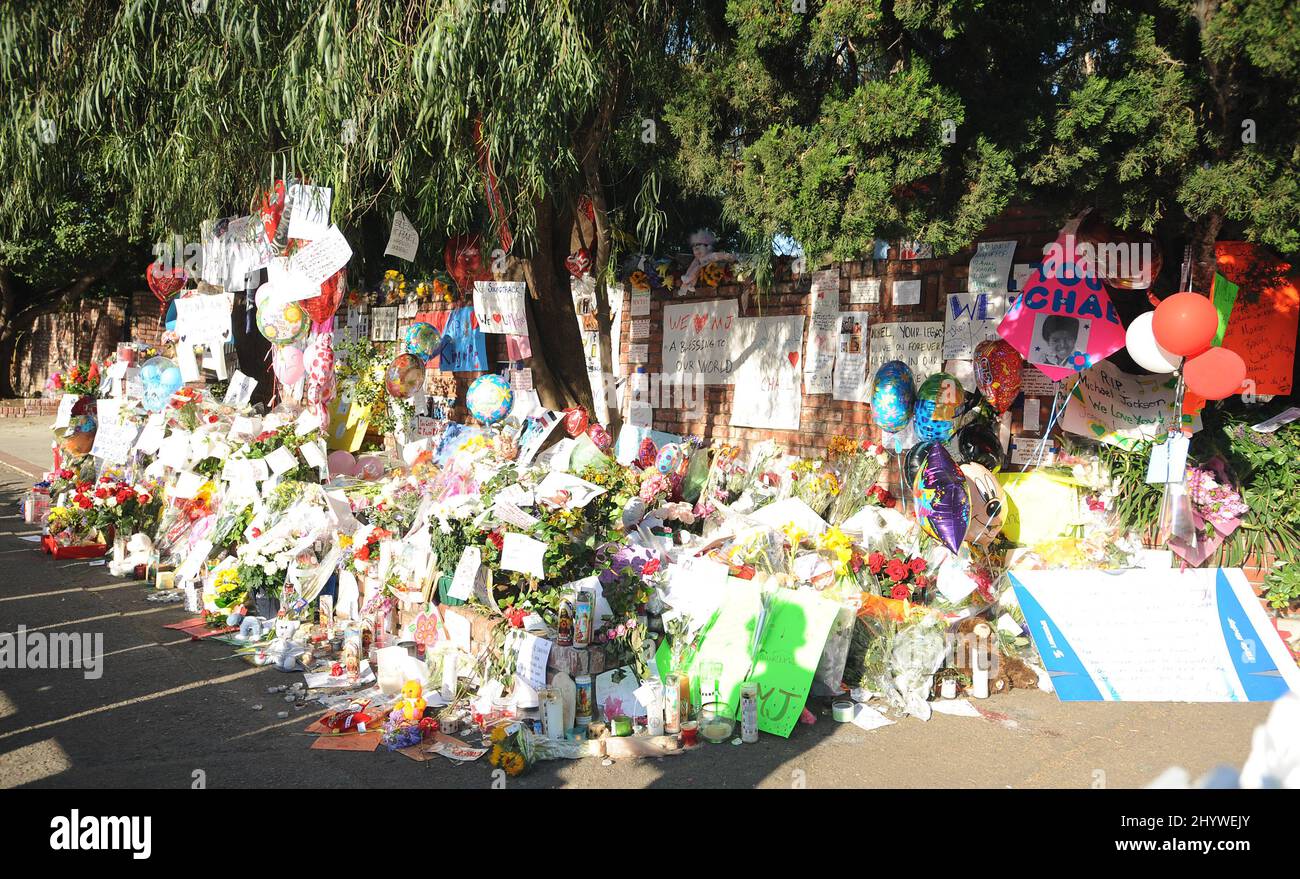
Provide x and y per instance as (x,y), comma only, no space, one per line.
(348,422)
(766,352)
(499,307)
(795,631)
(203,319)
(466,349)
(1121,409)
(697,340)
(1064,322)
(1145,635)
(1263,316)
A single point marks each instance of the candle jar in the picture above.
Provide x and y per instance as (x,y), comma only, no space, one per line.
(716,724)
(690,729)
(672,705)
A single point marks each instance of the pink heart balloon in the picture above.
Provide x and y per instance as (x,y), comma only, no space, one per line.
(289,368)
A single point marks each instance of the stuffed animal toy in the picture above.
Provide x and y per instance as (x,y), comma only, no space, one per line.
(1006,673)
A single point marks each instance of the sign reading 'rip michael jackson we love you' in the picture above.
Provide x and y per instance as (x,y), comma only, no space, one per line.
(1064,321)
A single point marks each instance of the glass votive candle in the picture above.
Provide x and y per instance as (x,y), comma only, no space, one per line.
(715,723)
(621,725)
(690,729)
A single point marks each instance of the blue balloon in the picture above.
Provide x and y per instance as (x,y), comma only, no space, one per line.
(893,396)
(159,379)
(930,429)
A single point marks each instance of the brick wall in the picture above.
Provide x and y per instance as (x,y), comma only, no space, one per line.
(822,416)
(56,340)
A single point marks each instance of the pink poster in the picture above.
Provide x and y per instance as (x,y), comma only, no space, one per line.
(1064,321)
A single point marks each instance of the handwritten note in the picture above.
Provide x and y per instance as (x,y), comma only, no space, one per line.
(531,653)
(323,257)
(864,291)
(697,340)
(403,240)
(989,267)
(462,582)
(919,345)
(499,307)
(523,554)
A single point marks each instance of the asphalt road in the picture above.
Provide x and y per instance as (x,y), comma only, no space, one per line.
(166,706)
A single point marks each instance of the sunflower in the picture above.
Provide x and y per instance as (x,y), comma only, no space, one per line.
(512,763)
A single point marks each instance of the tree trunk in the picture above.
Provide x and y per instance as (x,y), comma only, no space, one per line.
(559,373)
(1204,233)
(8,330)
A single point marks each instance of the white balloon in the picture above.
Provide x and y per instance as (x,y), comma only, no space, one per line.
(1140,340)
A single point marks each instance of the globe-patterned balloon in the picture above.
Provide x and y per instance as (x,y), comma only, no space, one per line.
(404,376)
(421,339)
(893,396)
(937,402)
(489,398)
(927,427)
(282,323)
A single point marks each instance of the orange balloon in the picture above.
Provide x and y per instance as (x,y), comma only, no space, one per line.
(1185,324)
(1215,374)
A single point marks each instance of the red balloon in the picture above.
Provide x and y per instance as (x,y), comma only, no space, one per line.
(164,282)
(322,306)
(997,372)
(272,209)
(575,421)
(1215,374)
(1185,324)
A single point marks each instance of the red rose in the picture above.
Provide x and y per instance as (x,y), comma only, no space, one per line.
(901,592)
(497,540)
(516,618)
(896,570)
(650,567)
(876,561)
(921,582)
(918,566)
(124,495)
(83,502)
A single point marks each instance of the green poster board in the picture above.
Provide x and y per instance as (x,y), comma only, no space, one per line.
(798,625)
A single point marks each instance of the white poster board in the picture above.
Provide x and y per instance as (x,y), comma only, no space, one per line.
(1144,635)
(767,353)
(697,340)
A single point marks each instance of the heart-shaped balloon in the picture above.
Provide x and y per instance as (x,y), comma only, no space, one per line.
(323,306)
(575,421)
(164,282)
(272,209)
(579,262)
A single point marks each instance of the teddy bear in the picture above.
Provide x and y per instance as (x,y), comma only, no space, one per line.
(283,652)
(1005,673)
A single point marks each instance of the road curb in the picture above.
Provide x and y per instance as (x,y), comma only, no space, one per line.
(23,466)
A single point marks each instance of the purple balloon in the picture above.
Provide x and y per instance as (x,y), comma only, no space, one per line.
(942,505)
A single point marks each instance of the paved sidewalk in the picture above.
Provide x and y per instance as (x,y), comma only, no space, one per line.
(166,706)
(25,444)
